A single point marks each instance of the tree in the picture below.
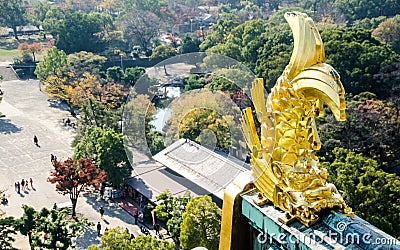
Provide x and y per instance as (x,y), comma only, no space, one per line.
(224,25)
(49,229)
(78,31)
(73,176)
(169,209)
(140,28)
(97,115)
(358,9)
(118,238)
(38,13)
(357,56)
(189,45)
(163,52)
(138,113)
(7,229)
(115,73)
(12,14)
(201,224)
(131,75)
(84,61)
(206,127)
(27,223)
(372,193)
(107,147)
(205,115)
(76,90)
(25,48)
(54,63)
(389,32)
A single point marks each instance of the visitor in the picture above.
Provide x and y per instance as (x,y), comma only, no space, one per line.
(98,228)
(101,212)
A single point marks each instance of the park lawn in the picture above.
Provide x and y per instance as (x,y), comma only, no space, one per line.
(9,52)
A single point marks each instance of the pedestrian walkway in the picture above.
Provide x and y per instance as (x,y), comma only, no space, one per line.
(29,112)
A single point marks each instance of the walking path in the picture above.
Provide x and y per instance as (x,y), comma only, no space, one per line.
(29,112)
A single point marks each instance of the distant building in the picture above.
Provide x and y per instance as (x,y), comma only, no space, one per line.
(185,165)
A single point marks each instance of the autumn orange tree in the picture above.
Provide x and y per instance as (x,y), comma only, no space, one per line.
(33,48)
(77,90)
(73,176)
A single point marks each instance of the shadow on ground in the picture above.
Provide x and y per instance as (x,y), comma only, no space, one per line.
(6,127)
(111,209)
(58,105)
(88,238)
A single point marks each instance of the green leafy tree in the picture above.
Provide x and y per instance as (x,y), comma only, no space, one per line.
(201,224)
(84,61)
(189,45)
(220,31)
(49,229)
(196,116)
(118,238)
(98,115)
(163,52)
(169,209)
(131,75)
(358,9)
(242,42)
(7,230)
(78,31)
(73,176)
(115,73)
(107,148)
(53,63)
(38,13)
(357,56)
(194,81)
(27,223)
(12,14)
(371,192)
(55,229)
(198,121)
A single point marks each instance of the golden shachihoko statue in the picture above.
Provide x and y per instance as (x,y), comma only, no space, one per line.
(285,169)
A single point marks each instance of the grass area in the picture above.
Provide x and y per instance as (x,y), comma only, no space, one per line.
(9,52)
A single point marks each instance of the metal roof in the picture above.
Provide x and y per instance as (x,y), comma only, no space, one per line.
(210,170)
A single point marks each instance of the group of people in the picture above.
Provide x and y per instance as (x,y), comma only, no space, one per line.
(23,185)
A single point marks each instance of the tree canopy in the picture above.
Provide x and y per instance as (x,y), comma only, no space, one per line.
(106,147)
(201,224)
(49,229)
(73,177)
(367,189)
(12,14)
(118,238)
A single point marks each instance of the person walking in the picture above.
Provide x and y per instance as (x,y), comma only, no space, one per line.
(18,187)
(98,228)
(157,228)
(22,184)
(31,181)
(35,140)
(101,212)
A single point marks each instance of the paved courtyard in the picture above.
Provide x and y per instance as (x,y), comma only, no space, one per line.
(28,112)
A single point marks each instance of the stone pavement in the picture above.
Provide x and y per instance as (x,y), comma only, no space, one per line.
(29,112)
